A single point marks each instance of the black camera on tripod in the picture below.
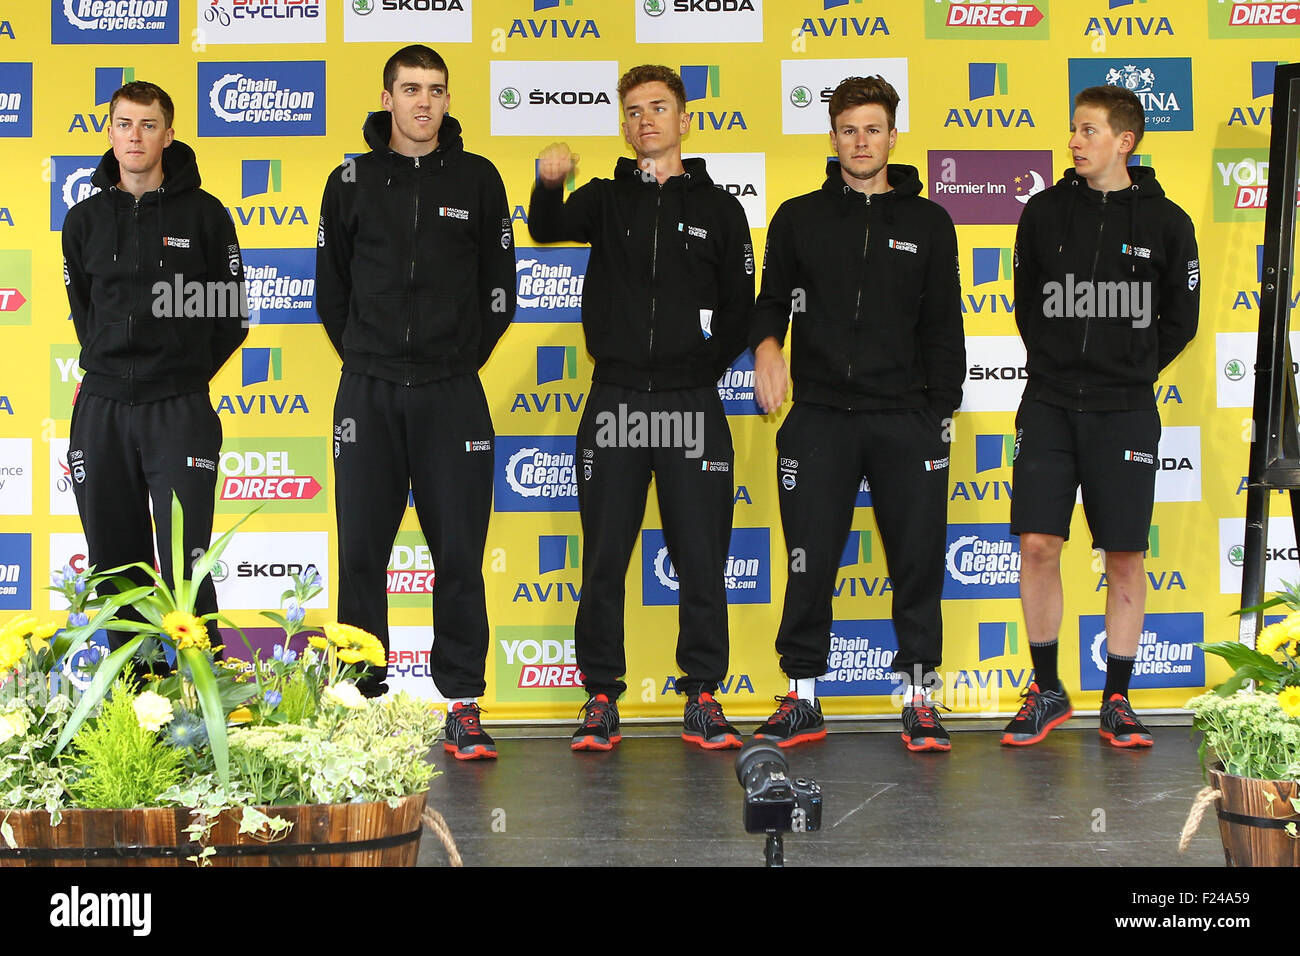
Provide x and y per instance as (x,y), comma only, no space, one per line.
(775,803)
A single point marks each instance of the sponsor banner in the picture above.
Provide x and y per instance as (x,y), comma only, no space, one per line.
(1234,359)
(807,85)
(982,561)
(536,663)
(120,22)
(254,570)
(69,184)
(15,99)
(548,284)
(401,21)
(535,474)
(736,386)
(860,660)
(15,476)
(1179,477)
(973,22)
(261,21)
(65,378)
(410,572)
(62,500)
(1253,19)
(281,475)
(699,21)
(262,98)
(987,186)
(257,366)
(408,662)
(1283,555)
(15,572)
(995,373)
(281,286)
(554,97)
(1167,655)
(557,387)
(743,175)
(66,549)
(1240,183)
(15,286)
(1163,84)
(747,573)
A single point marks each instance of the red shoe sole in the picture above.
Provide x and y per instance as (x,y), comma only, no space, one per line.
(478,752)
(796,739)
(927,743)
(590,743)
(1008,741)
(1107,736)
(729,742)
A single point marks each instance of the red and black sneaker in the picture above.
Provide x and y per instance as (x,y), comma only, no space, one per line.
(921,728)
(1041,711)
(796,721)
(599,729)
(463,737)
(704,723)
(1120,726)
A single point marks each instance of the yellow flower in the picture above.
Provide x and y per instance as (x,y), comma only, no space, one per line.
(42,633)
(18,626)
(1289,701)
(344,694)
(186,630)
(317,641)
(12,649)
(355,645)
(152,711)
(240,715)
(12,725)
(1272,637)
(345,635)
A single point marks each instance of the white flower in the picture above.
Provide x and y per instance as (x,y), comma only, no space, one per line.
(345,694)
(152,710)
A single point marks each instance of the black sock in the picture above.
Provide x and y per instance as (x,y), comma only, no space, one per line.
(1118,671)
(1044,659)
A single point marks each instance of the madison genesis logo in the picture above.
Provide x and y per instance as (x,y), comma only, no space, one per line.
(747,573)
(987,80)
(850,26)
(987,186)
(397,21)
(69,184)
(1254,19)
(548,285)
(284,98)
(705,83)
(699,21)
(262,21)
(15,476)
(15,286)
(554,27)
(860,660)
(411,574)
(1234,358)
(537,663)
(555,363)
(15,99)
(736,386)
(1280,559)
(15,572)
(1167,655)
(983,561)
(1241,185)
(981,20)
(807,85)
(995,373)
(114,21)
(281,286)
(743,175)
(260,365)
(1261,85)
(554,98)
(284,475)
(535,474)
(1162,84)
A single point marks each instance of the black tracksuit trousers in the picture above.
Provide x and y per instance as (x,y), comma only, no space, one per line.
(822,454)
(695,501)
(124,456)
(437,440)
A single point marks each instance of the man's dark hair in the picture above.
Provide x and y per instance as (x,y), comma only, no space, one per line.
(417,56)
(862,91)
(1123,109)
(144,94)
(650,73)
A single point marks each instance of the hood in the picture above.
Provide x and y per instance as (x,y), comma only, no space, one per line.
(180,169)
(378,129)
(904,181)
(695,173)
(1144,185)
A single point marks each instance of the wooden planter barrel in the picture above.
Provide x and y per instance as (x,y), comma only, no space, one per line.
(337,834)
(1253,830)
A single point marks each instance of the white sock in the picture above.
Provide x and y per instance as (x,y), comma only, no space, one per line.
(463,701)
(912,692)
(805,688)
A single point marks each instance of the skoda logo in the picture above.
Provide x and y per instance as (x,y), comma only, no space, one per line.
(509,97)
(801,96)
(653,8)
(1236,555)
(1235,370)
(219,570)
(363,7)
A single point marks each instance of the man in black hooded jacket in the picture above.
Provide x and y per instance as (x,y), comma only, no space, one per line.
(415,285)
(137,257)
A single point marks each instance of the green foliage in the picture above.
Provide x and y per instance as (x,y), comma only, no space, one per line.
(299,702)
(123,765)
(1249,734)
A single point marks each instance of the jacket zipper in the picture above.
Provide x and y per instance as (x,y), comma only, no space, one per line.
(130,316)
(857,304)
(654,264)
(415,239)
(1096,253)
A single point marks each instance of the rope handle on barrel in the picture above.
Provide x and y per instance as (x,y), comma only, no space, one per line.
(434,821)
(1202,802)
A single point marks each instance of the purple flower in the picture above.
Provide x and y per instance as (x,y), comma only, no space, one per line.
(283,654)
(313,579)
(294,612)
(273,697)
(79,584)
(77,619)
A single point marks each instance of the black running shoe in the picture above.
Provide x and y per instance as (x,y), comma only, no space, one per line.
(796,721)
(462,736)
(599,729)
(1041,711)
(1120,726)
(921,727)
(705,724)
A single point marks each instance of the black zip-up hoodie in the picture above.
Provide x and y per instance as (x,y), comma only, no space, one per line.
(871,281)
(415,260)
(130,265)
(670,283)
(1092,344)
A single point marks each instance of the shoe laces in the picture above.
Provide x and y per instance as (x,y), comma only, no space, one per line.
(926,712)
(712,710)
(467,716)
(788,703)
(1032,701)
(595,711)
(1123,711)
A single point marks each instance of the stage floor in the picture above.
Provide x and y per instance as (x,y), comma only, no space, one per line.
(1072,800)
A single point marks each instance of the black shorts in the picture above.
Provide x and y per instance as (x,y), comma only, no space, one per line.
(1111,455)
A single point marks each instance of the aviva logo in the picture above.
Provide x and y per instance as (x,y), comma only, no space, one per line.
(261,365)
(998,639)
(990,264)
(986,79)
(994,451)
(556,363)
(259,176)
(857,549)
(701,82)
(1139,159)
(555,552)
(108,79)
(1153,541)
(549,4)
